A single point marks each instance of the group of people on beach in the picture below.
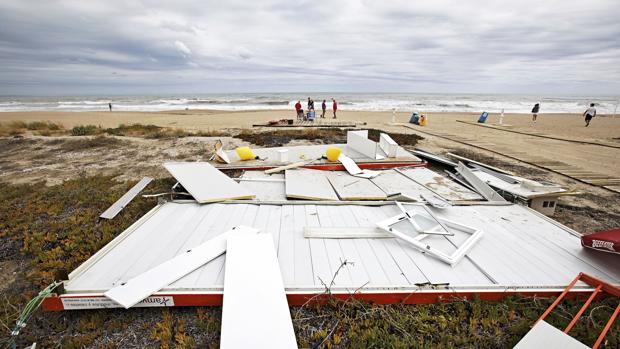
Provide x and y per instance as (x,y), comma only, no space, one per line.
(310,109)
(588,114)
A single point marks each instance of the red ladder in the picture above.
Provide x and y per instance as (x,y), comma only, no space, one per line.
(600,286)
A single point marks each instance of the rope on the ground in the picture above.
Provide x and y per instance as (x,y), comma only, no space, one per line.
(28,311)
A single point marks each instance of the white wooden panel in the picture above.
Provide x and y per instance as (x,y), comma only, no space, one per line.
(478,184)
(255,311)
(309,185)
(379,249)
(392,182)
(548,237)
(544,335)
(446,187)
(341,217)
(248,219)
(286,245)
(206,183)
(334,252)
(265,190)
(303,269)
(118,206)
(320,265)
(353,188)
(388,145)
(119,259)
(153,280)
(368,259)
(228,218)
(358,141)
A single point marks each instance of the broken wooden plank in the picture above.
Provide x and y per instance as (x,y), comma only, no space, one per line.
(308,184)
(358,141)
(124,200)
(388,145)
(286,167)
(206,183)
(352,188)
(143,285)
(255,312)
(480,186)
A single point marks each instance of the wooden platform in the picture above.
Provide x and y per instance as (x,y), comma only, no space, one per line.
(540,134)
(521,251)
(317,123)
(575,172)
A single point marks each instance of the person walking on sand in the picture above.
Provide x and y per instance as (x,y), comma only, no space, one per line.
(535,111)
(324,107)
(589,114)
(110,106)
(334,107)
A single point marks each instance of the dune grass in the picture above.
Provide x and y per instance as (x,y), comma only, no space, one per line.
(42,128)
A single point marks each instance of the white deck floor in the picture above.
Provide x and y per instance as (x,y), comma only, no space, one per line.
(520,248)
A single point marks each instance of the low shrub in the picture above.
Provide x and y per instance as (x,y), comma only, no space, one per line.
(85,130)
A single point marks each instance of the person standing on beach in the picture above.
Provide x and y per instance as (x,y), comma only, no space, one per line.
(589,114)
(535,111)
(334,107)
(324,107)
(110,106)
(300,113)
(310,104)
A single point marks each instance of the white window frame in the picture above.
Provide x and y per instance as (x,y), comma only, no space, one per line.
(416,241)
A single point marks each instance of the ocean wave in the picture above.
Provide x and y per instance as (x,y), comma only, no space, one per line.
(355,102)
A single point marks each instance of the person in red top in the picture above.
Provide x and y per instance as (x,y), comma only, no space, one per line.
(334,107)
(300,112)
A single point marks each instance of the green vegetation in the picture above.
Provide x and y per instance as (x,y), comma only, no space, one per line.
(143,131)
(51,230)
(87,130)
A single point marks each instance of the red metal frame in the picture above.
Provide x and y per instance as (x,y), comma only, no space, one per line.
(600,286)
(54,302)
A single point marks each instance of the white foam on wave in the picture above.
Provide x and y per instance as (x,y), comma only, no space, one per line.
(357,102)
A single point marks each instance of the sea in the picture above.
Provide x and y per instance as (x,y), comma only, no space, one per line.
(401,102)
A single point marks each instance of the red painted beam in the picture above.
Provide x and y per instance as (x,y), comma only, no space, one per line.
(54,303)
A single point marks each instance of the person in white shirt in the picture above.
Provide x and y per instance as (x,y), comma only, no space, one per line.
(589,114)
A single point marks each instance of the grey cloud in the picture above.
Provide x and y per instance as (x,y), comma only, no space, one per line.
(208,46)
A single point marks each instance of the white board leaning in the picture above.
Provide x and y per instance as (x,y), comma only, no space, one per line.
(206,183)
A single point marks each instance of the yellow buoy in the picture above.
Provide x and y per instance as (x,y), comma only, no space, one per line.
(245,153)
(333,153)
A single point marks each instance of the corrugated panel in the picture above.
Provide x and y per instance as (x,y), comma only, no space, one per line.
(519,248)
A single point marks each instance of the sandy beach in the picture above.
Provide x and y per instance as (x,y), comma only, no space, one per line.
(565,125)
(594,158)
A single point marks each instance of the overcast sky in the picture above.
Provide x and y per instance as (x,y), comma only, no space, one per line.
(184,46)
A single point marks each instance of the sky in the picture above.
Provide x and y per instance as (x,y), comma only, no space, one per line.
(203,46)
